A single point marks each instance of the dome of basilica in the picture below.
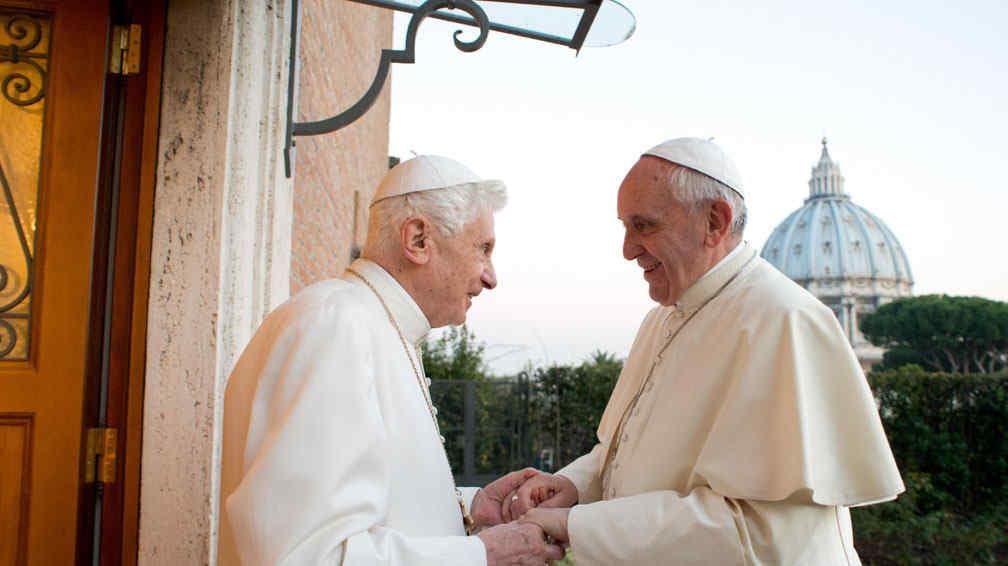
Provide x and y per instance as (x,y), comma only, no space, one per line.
(841,253)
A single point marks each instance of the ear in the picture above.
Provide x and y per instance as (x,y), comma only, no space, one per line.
(719,219)
(415,239)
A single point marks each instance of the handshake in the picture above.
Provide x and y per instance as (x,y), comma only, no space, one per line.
(522,517)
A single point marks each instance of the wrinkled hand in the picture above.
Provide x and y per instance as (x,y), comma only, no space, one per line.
(517,544)
(487,505)
(553,522)
(541,490)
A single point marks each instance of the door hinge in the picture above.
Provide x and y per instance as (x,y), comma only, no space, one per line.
(100,458)
(124,57)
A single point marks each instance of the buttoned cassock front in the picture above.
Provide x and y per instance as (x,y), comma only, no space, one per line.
(330,452)
(739,432)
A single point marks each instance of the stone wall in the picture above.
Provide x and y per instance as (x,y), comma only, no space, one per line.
(220,253)
(335,174)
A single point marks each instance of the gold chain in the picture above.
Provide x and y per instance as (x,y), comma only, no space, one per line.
(416,371)
(467,520)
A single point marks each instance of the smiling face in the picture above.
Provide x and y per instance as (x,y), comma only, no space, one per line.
(461,268)
(663,235)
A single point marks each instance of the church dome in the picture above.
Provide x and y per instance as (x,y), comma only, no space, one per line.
(841,253)
(832,239)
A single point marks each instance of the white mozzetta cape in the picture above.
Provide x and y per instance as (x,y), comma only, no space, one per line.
(743,441)
(330,453)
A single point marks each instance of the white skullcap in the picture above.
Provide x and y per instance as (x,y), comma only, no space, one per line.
(427,173)
(702,156)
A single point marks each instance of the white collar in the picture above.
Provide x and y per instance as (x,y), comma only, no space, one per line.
(716,277)
(407,313)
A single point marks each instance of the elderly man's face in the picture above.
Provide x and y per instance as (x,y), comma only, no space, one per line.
(462,269)
(661,234)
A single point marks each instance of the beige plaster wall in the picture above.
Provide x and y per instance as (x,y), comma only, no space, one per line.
(224,215)
(220,254)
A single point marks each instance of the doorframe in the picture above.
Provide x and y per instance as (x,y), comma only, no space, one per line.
(147,170)
(120,286)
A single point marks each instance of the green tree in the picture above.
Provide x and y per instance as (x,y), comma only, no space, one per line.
(455,355)
(942,333)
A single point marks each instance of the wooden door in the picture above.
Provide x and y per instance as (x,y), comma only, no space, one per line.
(52,73)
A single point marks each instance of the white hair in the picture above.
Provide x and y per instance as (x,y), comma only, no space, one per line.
(696,189)
(449,210)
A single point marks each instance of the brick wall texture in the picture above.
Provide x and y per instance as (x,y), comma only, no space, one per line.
(335,174)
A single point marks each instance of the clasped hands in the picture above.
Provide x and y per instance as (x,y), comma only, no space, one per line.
(522,517)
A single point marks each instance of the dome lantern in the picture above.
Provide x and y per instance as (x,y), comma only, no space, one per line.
(826,180)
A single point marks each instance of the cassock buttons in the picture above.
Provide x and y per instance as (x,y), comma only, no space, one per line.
(428,382)
(443,439)
(434,411)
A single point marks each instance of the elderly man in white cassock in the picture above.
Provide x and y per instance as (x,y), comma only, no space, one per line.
(332,453)
(741,428)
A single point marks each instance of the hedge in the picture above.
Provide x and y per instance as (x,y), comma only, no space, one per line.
(948,434)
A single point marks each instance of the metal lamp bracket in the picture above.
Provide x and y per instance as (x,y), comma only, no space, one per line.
(473,15)
(388,56)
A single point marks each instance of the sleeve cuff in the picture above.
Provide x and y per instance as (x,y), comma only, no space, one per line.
(583,473)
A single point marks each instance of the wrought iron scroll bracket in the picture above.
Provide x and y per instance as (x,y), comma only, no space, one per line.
(388,56)
(16,84)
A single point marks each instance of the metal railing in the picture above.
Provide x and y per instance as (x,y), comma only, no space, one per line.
(494,426)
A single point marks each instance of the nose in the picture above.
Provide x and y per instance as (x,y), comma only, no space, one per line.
(489,277)
(630,248)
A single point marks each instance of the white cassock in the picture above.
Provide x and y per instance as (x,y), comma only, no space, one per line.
(330,452)
(740,431)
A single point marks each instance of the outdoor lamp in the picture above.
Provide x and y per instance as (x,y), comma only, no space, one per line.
(572,23)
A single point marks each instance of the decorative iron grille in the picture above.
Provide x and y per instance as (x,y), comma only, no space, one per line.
(24,65)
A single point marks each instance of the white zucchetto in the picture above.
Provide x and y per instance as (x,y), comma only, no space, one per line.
(427,173)
(703,156)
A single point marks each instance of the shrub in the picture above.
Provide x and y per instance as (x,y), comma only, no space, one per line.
(948,434)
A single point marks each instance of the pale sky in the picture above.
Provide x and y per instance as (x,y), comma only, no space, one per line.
(912,96)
